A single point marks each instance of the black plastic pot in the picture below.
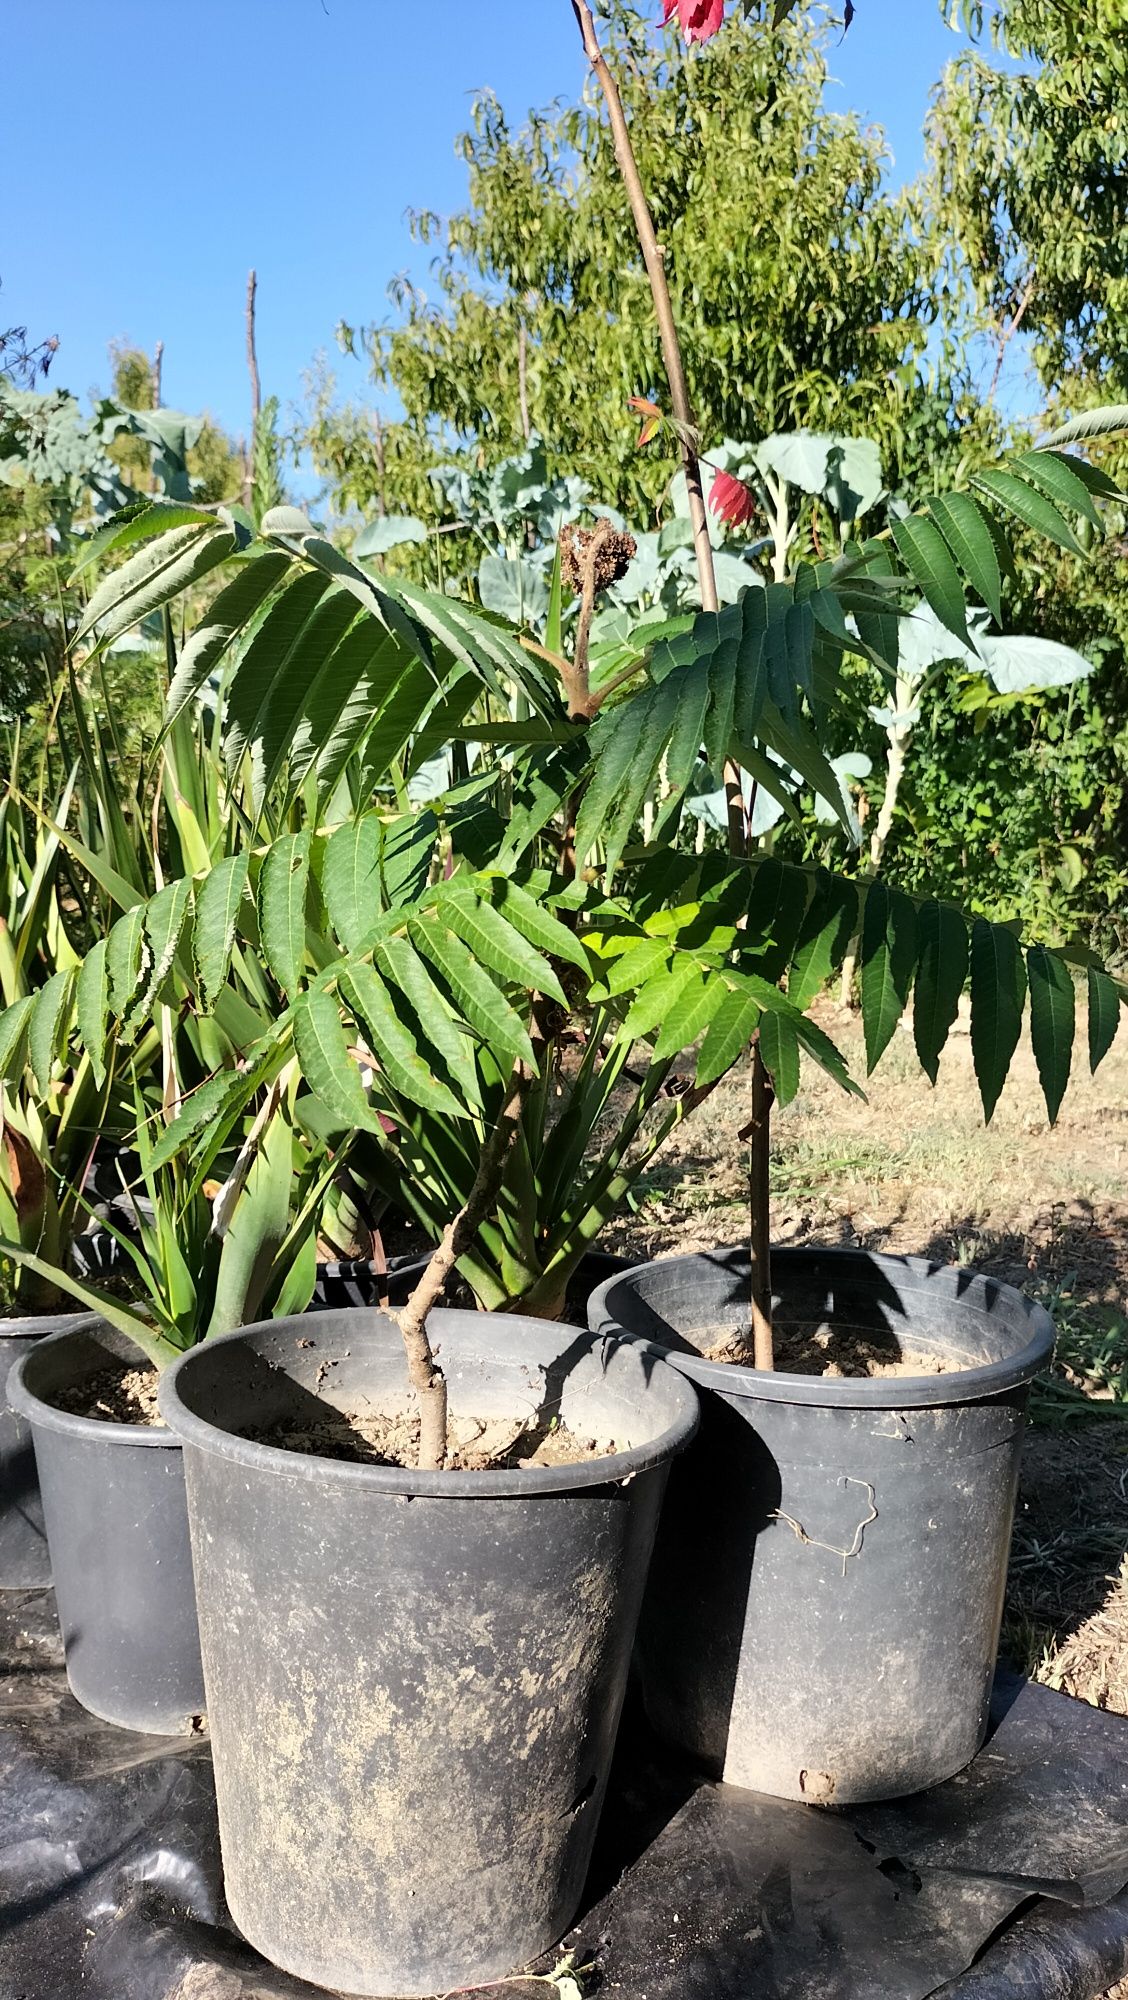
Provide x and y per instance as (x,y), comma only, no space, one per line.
(414,1678)
(358,1281)
(117,1529)
(24,1561)
(824,1603)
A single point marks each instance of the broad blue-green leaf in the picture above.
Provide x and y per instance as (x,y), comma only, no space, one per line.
(1104,1015)
(1051,1023)
(887,960)
(217,907)
(942,962)
(998,995)
(282,903)
(388,531)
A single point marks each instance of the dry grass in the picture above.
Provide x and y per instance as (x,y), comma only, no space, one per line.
(916,1170)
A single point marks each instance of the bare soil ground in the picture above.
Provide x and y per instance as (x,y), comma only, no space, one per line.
(914,1169)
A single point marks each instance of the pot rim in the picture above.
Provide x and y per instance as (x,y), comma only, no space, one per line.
(35,1410)
(739,1382)
(41,1326)
(615,1469)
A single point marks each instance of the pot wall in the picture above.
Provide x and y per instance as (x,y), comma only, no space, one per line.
(414,1679)
(24,1561)
(823,1610)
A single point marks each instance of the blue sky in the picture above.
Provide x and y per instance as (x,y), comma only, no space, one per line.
(160,150)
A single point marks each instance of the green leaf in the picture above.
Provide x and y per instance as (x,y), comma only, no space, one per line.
(1104,1016)
(13,1022)
(962,524)
(218,898)
(691,1012)
(164,923)
(350,878)
(998,995)
(256,1231)
(138,524)
(328,1068)
(824,937)
(92,1006)
(533,921)
(224,620)
(658,998)
(887,960)
(394,1046)
(925,554)
(227,1092)
(730,1032)
(1029,506)
(614,739)
(282,903)
(1051,1023)
(159,572)
(480,1003)
(1108,422)
(819,1046)
(942,962)
(123,960)
(43,1026)
(1055,477)
(404,971)
(776,907)
(779,1047)
(494,942)
(270,669)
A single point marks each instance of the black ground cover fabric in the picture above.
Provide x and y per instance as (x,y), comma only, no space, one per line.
(1001,1885)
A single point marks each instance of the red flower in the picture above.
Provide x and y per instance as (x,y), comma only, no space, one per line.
(731,500)
(698,19)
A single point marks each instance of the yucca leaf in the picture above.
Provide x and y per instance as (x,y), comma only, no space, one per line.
(222,623)
(217,908)
(1104,1015)
(1051,1023)
(394,1047)
(476,997)
(926,556)
(998,995)
(282,903)
(1030,506)
(964,527)
(327,1067)
(941,974)
(730,1031)
(888,957)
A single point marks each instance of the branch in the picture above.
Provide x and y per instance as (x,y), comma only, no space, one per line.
(256,390)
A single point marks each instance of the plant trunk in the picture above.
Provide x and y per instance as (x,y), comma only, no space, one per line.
(256,391)
(654,260)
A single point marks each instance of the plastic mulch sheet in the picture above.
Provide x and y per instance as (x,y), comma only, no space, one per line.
(1002,1884)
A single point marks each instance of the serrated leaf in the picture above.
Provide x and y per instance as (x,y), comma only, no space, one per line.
(630,972)
(270,661)
(888,956)
(779,1047)
(1104,1015)
(494,942)
(534,922)
(729,1034)
(138,523)
(123,960)
(164,923)
(998,995)
(1106,422)
(476,997)
(403,970)
(407,848)
(964,528)
(1029,506)
(13,1023)
(217,908)
(823,939)
(1051,1023)
(92,1006)
(283,883)
(329,1070)
(150,579)
(225,618)
(925,554)
(829,1058)
(658,998)
(941,974)
(393,1045)
(217,1097)
(350,878)
(697,1001)
(43,1026)
(614,740)
(776,907)
(1056,478)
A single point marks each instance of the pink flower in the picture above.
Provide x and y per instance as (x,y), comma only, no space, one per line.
(731,500)
(698,19)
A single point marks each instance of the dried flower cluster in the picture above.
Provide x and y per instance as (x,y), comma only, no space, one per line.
(603,552)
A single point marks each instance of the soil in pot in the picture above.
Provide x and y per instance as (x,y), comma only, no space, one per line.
(116,1395)
(832,1349)
(476,1444)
